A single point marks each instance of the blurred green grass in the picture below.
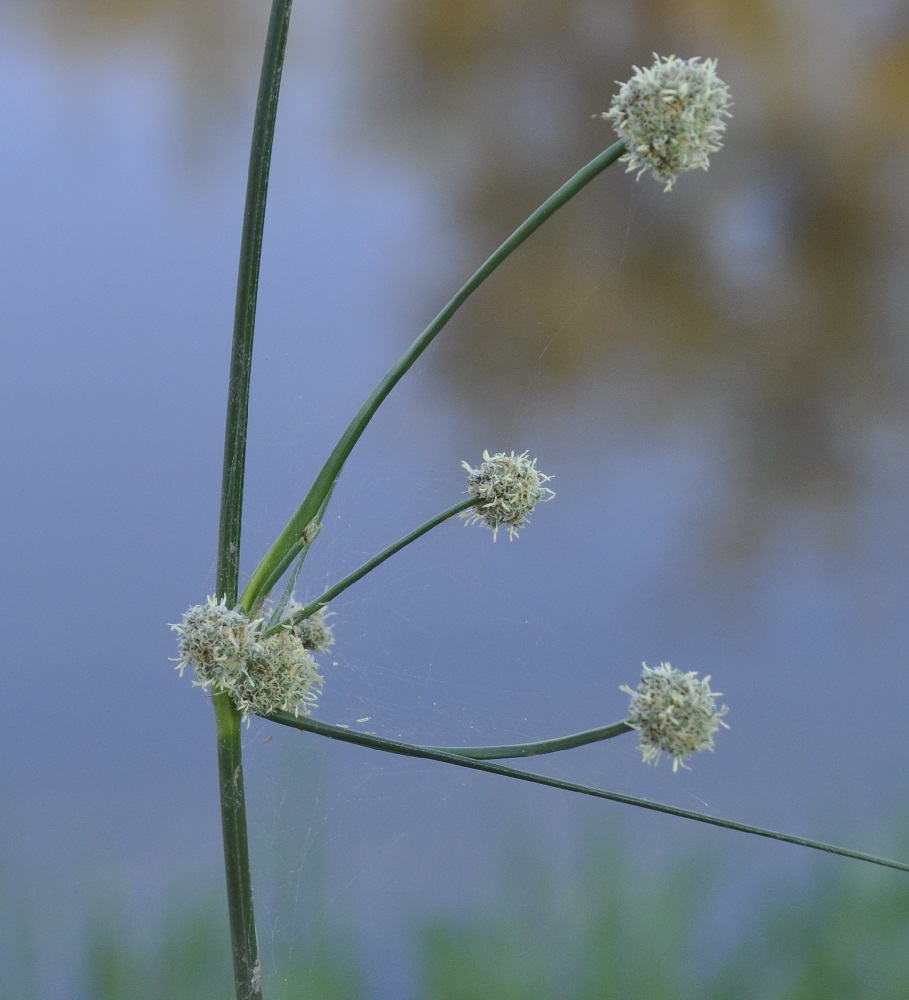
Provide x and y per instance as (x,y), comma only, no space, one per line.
(841,934)
(607,928)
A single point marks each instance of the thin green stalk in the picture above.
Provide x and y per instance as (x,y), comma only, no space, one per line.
(459,760)
(497,752)
(307,537)
(555,745)
(247,975)
(281,554)
(245,309)
(376,560)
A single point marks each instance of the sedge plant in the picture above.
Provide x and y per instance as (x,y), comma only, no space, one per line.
(255,650)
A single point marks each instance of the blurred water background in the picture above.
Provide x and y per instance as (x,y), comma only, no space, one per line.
(716,378)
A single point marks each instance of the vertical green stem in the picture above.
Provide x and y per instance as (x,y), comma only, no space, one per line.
(247,977)
(245,312)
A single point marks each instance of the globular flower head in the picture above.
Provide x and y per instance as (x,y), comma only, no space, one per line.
(281,676)
(216,642)
(509,487)
(231,654)
(314,632)
(673,712)
(670,116)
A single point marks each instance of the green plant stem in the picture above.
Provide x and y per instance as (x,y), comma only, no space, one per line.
(301,548)
(459,760)
(555,745)
(247,977)
(281,553)
(376,560)
(245,308)
(309,536)
(497,752)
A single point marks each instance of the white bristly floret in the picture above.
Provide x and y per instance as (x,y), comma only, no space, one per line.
(673,712)
(230,654)
(670,117)
(509,487)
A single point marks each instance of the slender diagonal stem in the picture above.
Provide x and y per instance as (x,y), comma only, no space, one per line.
(456,757)
(376,560)
(247,976)
(281,554)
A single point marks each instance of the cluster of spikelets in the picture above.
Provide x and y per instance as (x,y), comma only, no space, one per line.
(263,673)
(266,670)
(673,712)
(670,116)
(509,487)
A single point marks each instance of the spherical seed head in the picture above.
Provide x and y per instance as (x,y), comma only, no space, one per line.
(509,487)
(671,116)
(230,653)
(314,632)
(215,641)
(673,712)
(281,676)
